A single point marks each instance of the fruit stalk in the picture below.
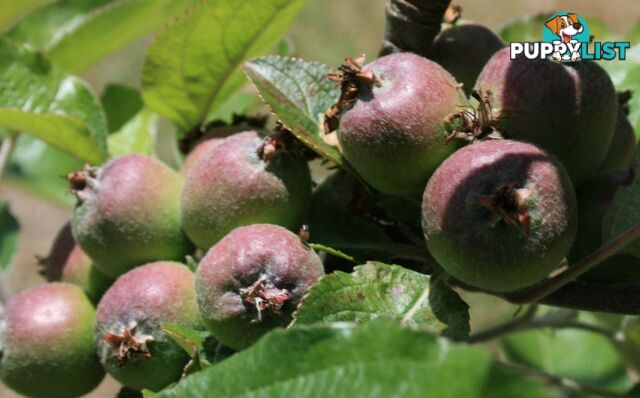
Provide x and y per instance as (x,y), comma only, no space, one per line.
(412,25)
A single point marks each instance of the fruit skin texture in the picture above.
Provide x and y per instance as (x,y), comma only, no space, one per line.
(128,215)
(141,300)
(474,246)
(623,145)
(569,110)
(67,262)
(196,153)
(594,200)
(244,259)
(47,349)
(463,50)
(394,134)
(231,186)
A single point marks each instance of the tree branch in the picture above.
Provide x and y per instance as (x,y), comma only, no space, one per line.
(547,287)
(412,25)
(600,297)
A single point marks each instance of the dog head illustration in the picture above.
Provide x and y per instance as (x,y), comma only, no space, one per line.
(565,26)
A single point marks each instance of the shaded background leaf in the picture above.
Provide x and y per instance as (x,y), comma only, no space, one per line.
(120,104)
(576,354)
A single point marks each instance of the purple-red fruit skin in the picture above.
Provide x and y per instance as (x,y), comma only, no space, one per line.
(622,150)
(231,185)
(463,50)
(199,151)
(567,109)
(241,259)
(67,262)
(394,134)
(140,301)
(464,236)
(46,342)
(129,215)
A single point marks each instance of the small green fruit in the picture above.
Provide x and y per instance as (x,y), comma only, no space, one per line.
(567,109)
(46,345)
(499,215)
(463,50)
(132,346)
(235,184)
(623,145)
(67,262)
(394,133)
(252,280)
(128,214)
(594,200)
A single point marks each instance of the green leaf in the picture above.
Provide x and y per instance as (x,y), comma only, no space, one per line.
(75,34)
(378,359)
(120,104)
(376,290)
(298,93)
(38,99)
(623,214)
(136,136)
(12,9)
(572,353)
(9,237)
(192,67)
(39,168)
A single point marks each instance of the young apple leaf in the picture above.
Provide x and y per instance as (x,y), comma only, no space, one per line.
(298,93)
(192,67)
(75,34)
(378,358)
(9,237)
(376,290)
(38,99)
(10,10)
